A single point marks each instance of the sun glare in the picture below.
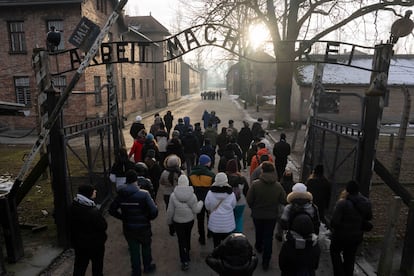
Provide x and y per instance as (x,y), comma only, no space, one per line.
(258,35)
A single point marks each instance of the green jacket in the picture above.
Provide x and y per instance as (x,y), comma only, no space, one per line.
(265,196)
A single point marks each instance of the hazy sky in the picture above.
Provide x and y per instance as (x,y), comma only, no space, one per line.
(161,10)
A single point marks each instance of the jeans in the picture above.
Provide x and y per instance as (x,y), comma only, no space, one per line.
(344,266)
(82,257)
(135,249)
(264,237)
(238,217)
(200,223)
(183,231)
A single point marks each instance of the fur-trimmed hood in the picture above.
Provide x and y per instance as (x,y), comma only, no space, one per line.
(299,197)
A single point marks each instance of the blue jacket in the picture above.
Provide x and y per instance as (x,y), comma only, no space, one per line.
(135,208)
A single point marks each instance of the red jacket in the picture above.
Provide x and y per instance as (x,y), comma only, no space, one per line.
(256,159)
(136,150)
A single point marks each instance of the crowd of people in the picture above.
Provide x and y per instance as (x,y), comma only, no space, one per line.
(179,163)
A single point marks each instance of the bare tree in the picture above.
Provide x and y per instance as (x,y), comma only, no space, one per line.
(291,20)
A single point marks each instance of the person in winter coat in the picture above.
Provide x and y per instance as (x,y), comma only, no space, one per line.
(174,146)
(154,171)
(180,126)
(121,165)
(240,187)
(191,149)
(169,180)
(144,183)
(162,141)
(136,127)
(287,182)
(214,120)
(281,151)
(88,232)
(264,197)
(168,121)
(136,209)
(244,139)
(233,257)
(258,171)
(205,118)
(234,131)
(150,144)
(350,213)
(201,178)
(220,202)
(156,125)
(199,134)
(320,188)
(136,149)
(257,127)
(261,150)
(211,133)
(222,140)
(208,149)
(181,210)
(300,252)
(228,154)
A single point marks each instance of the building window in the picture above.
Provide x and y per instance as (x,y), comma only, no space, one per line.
(97,89)
(141,88)
(148,87)
(124,93)
(22,88)
(133,89)
(17,37)
(58,24)
(101,6)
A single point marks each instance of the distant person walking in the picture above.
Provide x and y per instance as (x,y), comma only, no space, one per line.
(320,188)
(281,151)
(88,232)
(257,127)
(168,121)
(205,118)
(136,209)
(244,139)
(264,198)
(182,207)
(136,127)
(351,213)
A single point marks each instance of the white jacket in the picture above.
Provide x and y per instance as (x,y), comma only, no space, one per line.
(221,218)
(183,205)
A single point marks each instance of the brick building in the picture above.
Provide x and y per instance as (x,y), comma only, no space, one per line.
(139,86)
(190,80)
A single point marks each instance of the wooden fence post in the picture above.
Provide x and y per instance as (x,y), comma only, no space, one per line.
(387,252)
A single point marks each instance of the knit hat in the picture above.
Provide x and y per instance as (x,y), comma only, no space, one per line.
(204,160)
(231,122)
(183,180)
(150,137)
(138,118)
(172,161)
(221,180)
(231,166)
(180,120)
(260,120)
(131,176)
(299,188)
(299,191)
(282,136)
(86,190)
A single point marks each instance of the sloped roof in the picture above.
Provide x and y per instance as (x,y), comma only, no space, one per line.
(401,72)
(146,25)
(36,2)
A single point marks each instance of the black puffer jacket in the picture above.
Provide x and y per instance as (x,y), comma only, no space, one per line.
(348,215)
(88,225)
(234,256)
(137,209)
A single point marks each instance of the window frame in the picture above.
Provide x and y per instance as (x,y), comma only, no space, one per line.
(17,38)
(24,90)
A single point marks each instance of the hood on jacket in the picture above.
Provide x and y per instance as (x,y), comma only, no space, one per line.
(184,193)
(128,190)
(268,177)
(186,120)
